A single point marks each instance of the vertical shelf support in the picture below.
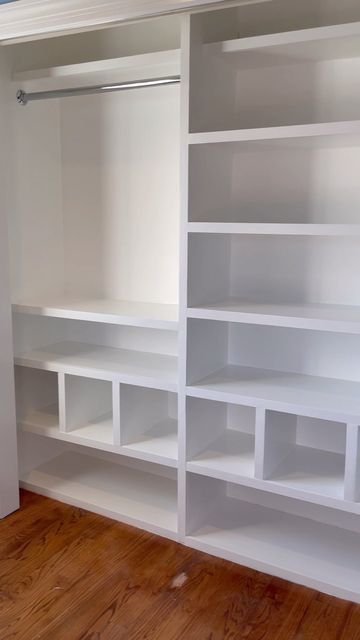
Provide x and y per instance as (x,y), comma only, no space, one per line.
(352,463)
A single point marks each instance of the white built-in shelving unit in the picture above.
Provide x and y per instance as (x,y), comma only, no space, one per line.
(225,415)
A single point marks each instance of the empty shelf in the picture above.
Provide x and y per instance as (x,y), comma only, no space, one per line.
(97,434)
(159,444)
(105,363)
(345,133)
(314,44)
(273,228)
(323,317)
(313,396)
(292,547)
(232,454)
(312,470)
(135,497)
(122,312)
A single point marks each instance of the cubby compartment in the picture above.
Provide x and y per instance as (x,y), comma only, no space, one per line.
(305,453)
(148,419)
(143,495)
(272,185)
(299,282)
(88,410)
(220,439)
(315,373)
(272,79)
(37,400)
(276,535)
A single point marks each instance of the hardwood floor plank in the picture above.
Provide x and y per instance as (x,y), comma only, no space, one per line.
(66,574)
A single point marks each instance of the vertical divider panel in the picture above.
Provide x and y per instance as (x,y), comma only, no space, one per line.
(116,413)
(352,463)
(279,439)
(259,443)
(62,402)
(187,38)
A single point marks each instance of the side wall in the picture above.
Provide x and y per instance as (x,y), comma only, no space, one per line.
(9,492)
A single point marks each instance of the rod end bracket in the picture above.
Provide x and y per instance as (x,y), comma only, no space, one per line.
(21,97)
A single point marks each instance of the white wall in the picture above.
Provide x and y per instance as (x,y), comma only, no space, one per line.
(8,455)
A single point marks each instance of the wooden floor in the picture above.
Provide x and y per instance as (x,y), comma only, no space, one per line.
(67,574)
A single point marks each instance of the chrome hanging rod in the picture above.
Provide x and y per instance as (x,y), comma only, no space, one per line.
(23,97)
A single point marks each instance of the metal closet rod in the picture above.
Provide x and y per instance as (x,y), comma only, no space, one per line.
(23,97)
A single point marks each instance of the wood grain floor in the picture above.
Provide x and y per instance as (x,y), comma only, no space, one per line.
(66,574)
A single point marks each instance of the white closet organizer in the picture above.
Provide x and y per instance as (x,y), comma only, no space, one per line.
(225,414)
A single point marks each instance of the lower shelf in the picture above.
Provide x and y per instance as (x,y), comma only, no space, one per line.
(135,497)
(158,444)
(291,547)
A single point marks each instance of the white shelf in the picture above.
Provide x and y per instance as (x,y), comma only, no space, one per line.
(321,317)
(291,547)
(44,419)
(325,133)
(135,497)
(97,434)
(279,229)
(230,455)
(315,44)
(159,444)
(313,396)
(312,470)
(121,312)
(157,63)
(105,363)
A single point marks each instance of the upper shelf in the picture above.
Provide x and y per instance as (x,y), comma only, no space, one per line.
(320,43)
(323,317)
(345,133)
(153,370)
(147,65)
(120,312)
(273,228)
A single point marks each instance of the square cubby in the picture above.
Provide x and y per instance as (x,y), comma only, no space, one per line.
(305,453)
(37,400)
(148,424)
(220,438)
(88,409)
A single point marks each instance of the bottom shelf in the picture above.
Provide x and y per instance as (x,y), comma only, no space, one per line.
(136,497)
(291,547)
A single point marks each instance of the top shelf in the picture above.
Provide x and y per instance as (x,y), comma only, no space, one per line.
(316,44)
(135,67)
(120,312)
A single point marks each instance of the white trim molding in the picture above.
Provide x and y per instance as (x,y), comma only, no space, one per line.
(31,19)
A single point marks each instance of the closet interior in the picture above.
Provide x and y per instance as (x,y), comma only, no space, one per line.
(184,269)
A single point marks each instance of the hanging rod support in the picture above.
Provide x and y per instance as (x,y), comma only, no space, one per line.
(23,98)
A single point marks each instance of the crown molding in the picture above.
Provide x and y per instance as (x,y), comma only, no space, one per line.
(31,19)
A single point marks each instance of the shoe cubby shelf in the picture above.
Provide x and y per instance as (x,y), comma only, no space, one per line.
(283,453)
(130,420)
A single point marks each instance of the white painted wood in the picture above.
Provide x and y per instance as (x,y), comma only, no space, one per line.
(287,229)
(134,497)
(37,18)
(318,397)
(348,132)
(88,409)
(150,64)
(293,548)
(122,312)
(321,317)
(147,429)
(37,398)
(319,43)
(352,463)
(105,363)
